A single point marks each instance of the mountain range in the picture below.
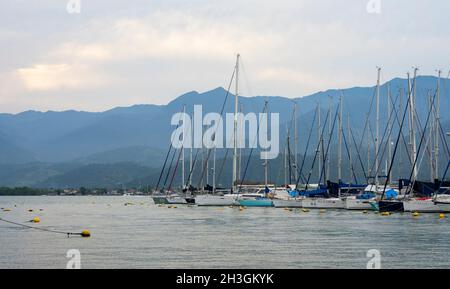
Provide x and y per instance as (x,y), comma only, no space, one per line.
(127,145)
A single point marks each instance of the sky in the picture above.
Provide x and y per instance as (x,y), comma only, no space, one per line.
(121,53)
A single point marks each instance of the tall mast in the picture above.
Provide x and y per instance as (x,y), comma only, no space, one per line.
(350,165)
(286,157)
(236,107)
(183,155)
(413,110)
(214,169)
(329,133)
(340,144)
(389,129)
(377,137)
(319,139)
(241,140)
(191,168)
(266,164)
(438,117)
(295,142)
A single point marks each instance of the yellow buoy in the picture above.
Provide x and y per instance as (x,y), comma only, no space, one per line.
(241,208)
(36,220)
(442,216)
(6,210)
(322,211)
(416,214)
(364,212)
(305,210)
(30,210)
(85,234)
(385,213)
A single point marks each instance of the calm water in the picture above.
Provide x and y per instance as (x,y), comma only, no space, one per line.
(146,236)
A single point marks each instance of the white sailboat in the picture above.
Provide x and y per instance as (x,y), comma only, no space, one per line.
(225,199)
(282,199)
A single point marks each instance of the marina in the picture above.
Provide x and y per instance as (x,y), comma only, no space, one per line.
(144,235)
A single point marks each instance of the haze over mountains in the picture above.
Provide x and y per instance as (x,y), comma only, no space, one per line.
(127,145)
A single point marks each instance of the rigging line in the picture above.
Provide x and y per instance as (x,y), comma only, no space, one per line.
(317,151)
(350,159)
(359,155)
(193,167)
(251,150)
(41,229)
(175,169)
(420,162)
(421,140)
(329,142)
(395,148)
(388,127)
(367,123)
(395,111)
(165,161)
(306,150)
(169,170)
(205,165)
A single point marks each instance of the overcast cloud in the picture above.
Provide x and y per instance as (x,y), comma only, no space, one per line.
(118,53)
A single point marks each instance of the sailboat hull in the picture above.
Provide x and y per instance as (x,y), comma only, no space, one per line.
(422,206)
(287,203)
(160,200)
(318,203)
(214,201)
(357,204)
(255,203)
(390,206)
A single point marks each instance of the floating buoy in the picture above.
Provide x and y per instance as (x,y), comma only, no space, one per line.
(365,212)
(441,216)
(6,210)
(85,234)
(41,210)
(416,214)
(30,210)
(322,211)
(385,213)
(241,208)
(305,210)
(36,220)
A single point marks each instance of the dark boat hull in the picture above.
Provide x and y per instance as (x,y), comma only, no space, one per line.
(190,201)
(390,206)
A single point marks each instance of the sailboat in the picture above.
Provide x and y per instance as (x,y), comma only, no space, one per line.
(229,199)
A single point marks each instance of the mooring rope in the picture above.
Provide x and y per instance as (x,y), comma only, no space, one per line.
(83,234)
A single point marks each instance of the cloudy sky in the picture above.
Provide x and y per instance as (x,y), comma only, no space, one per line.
(120,53)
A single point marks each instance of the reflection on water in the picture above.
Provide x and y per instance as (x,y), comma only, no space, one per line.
(143,235)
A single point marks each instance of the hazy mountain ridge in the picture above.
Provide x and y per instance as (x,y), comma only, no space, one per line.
(61,145)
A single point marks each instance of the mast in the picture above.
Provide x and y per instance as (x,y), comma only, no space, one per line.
(319,140)
(350,165)
(377,137)
(413,113)
(389,129)
(190,155)
(214,169)
(286,157)
(329,133)
(236,106)
(438,119)
(266,164)
(340,145)
(241,136)
(295,142)
(183,151)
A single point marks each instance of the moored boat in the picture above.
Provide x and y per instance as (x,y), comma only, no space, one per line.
(216,200)
(323,203)
(421,205)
